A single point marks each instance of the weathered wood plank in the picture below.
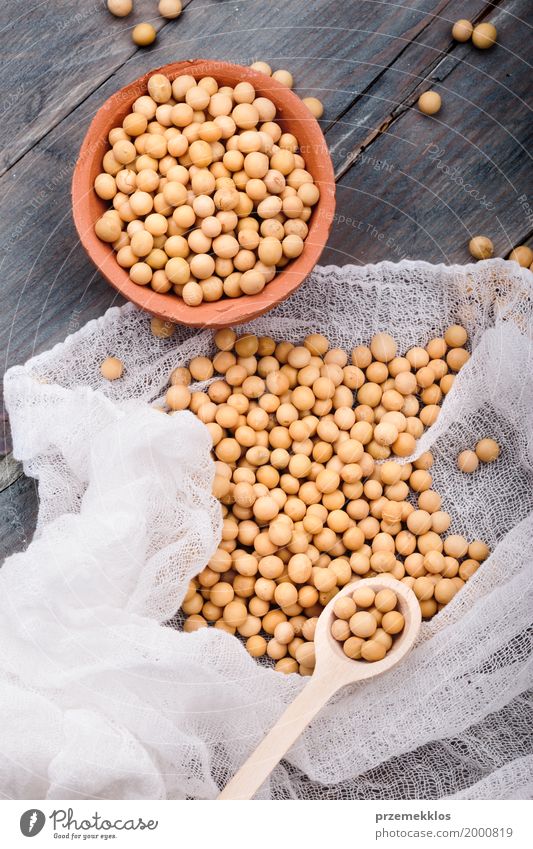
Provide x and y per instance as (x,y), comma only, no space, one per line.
(426,186)
(53,56)
(10,471)
(373,108)
(18,508)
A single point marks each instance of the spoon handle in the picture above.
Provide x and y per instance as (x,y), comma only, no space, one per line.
(280,738)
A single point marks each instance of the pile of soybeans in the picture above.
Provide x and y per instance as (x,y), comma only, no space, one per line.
(310,447)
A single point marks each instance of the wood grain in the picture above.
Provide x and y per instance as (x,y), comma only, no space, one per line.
(18,509)
(54,55)
(374,108)
(426,186)
(10,471)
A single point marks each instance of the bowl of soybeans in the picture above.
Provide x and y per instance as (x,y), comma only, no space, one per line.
(204,192)
(320,486)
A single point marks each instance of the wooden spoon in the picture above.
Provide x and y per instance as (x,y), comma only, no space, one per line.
(333,670)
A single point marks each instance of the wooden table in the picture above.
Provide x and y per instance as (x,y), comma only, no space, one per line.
(409,186)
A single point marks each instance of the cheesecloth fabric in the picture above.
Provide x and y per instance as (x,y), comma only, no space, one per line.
(101,697)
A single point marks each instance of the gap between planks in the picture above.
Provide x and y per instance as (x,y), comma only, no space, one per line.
(408,99)
(159,26)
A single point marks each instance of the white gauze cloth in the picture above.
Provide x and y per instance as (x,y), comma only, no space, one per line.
(100,698)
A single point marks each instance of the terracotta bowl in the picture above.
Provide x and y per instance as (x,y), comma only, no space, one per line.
(293,116)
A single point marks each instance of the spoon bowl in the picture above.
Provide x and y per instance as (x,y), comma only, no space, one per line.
(330,658)
(333,670)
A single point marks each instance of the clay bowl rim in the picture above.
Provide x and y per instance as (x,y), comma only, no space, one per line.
(86,206)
